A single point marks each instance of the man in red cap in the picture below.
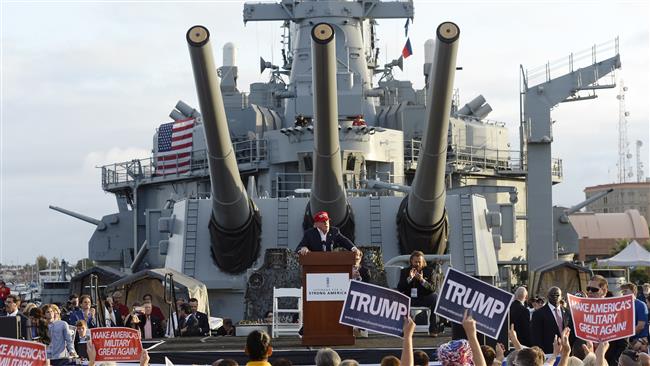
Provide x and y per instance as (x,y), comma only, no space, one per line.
(322,237)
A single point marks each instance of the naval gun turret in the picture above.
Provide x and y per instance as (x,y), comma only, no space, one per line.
(235,222)
(328,191)
(422,219)
(312,138)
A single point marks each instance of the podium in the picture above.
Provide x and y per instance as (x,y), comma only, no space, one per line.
(325,278)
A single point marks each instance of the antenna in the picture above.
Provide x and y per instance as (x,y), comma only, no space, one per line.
(624,156)
(639,163)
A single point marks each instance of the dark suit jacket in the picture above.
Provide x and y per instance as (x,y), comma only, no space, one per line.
(118,319)
(520,317)
(423,289)
(204,324)
(544,327)
(157,330)
(334,239)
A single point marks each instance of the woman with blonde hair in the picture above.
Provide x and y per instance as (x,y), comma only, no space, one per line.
(61,346)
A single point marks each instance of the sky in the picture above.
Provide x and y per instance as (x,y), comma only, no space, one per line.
(86,83)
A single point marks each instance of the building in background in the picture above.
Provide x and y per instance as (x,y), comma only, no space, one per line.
(626,196)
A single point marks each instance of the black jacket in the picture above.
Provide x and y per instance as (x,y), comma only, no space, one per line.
(520,317)
(157,330)
(333,239)
(424,289)
(544,327)
(203,323)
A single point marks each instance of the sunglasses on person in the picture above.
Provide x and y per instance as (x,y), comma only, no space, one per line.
(593,289)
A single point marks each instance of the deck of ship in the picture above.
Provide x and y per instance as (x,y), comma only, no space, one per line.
(206,350)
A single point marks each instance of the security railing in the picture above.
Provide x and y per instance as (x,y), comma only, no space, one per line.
(249,153)
(474,159)
(299,184)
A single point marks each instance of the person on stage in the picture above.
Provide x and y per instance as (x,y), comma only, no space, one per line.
(323,237)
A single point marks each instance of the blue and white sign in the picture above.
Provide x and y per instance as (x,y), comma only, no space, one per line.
(375,308)
(488,304)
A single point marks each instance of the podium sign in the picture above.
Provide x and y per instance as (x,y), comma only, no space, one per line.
(325,278)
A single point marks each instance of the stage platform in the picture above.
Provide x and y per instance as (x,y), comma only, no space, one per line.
(370,350)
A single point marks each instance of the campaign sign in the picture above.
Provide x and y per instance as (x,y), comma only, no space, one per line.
(116,344)
(16,352)
(375,308)
(602,319)
(487,304)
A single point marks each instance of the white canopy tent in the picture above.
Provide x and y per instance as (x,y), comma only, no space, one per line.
(634,255)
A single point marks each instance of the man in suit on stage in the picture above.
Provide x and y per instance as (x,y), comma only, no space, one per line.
(204,324)
(416,282)
(520,316)
(150,325)
(549,321)
(323,237)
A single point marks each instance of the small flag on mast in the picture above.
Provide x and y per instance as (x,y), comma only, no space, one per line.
(407,50)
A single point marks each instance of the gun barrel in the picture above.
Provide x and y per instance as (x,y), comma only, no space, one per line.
(426,202)
(99,223)
(328,191)
(230,206)
(589,200)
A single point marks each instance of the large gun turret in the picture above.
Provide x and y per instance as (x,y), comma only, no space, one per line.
(235,225)
(422,220)
(328,191)
(101,226)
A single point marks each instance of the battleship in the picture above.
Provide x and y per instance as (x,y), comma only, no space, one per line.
(234,182)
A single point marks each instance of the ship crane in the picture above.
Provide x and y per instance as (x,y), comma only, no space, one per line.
(537,100)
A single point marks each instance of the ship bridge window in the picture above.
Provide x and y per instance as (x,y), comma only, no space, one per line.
(309,166)
(349,163)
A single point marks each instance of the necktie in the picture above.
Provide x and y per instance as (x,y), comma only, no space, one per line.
(558,319)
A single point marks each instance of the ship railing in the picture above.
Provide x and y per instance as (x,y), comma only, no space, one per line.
(299,184)
(474,159)
(249,153)
(567,64)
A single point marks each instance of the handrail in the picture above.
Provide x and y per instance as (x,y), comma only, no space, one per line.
(247,152)
(566,64)
(474,157)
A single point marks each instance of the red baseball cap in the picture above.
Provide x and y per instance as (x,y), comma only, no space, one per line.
(321,216)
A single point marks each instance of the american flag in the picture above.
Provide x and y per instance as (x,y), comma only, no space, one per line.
(174,147)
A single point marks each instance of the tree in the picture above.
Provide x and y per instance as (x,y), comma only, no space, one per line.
(55,262)
(84,264)
(41,262)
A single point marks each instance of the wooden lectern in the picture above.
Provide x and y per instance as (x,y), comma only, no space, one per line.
(321,325)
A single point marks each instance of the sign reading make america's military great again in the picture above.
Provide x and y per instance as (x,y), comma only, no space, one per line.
(16,352)
(116,344)
(602,319)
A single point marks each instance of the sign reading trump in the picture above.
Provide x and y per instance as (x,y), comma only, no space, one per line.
(375,308)
(14,352)
(116,344)
(602,319)
(487,304)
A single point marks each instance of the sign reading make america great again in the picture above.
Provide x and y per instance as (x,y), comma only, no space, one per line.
(487,304)
(15,352)
(602,319)
(375,308)
(116,344)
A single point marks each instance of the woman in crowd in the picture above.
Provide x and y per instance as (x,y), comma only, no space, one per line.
(61,346)
(38,325)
